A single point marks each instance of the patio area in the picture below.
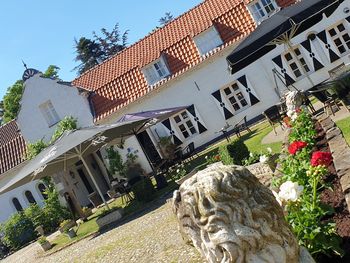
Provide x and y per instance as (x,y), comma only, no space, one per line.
(148,233)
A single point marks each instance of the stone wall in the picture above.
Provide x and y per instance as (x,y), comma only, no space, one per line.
(341,154)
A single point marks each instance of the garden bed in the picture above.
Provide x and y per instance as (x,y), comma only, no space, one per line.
(330,139)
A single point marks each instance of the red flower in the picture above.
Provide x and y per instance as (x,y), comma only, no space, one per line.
(217,157)
(297,110)
(286,121)
(296,146)
(321,158)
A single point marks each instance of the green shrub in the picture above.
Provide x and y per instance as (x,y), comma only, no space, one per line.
(225,155)
(53,210)
(42,240)
(37,215)
(143,190)
(234,153)
(18,230)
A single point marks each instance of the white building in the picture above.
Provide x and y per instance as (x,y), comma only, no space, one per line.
(44,103)
(184,64)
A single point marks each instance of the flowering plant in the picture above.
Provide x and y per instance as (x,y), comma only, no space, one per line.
(321,158)
(177,171)
(262,157)
(287,122)
(296,146)
(212,159)
(290,191)
(300,187)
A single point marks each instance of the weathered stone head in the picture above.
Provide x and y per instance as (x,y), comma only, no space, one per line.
(294,100)
(229,216)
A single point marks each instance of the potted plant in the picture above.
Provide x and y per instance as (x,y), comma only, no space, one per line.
(44,243)
(87,211)
(70,233)
(167,147)
(40,230)
(109,216)
(66,224)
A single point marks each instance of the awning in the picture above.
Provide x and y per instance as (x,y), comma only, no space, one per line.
(291,20)
(154,116)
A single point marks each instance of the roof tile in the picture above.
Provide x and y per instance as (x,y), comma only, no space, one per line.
(118,81)
(12,146)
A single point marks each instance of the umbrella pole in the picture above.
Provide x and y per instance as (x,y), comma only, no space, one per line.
(93,180)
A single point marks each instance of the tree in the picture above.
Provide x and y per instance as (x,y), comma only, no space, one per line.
(168,17)
(91,52)
(33,149)
(51,72)
(11,101)
(67,124)
(111,42)
(1,111)
(88,54)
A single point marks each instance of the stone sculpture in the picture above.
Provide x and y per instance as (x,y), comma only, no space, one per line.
(294,100)
(229,216)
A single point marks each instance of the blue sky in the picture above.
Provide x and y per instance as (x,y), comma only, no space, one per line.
(42,32)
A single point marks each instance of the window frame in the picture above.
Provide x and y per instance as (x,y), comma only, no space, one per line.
(297,59)
(232,87)
(200,39)
(30,197)
(183,121)
(49,113)
(340,35)
(257,7)
(151,72)
(20,207)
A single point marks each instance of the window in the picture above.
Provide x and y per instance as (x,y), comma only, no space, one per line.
(185,124)
(340,37)
(17,204)
(156,71)
(296,61)
(208,40)
(262,8)
(42,189)
(235,97)
(30,197)
(49,113)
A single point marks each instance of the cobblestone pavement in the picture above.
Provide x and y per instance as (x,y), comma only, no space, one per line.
(152,237)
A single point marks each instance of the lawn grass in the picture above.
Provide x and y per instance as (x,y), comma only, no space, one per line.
(252,141)
(344,126)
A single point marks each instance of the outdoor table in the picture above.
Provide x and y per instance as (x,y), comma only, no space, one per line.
(223,130)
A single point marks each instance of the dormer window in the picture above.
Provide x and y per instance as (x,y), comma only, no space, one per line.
(262,9)
(208,40)
(156,71)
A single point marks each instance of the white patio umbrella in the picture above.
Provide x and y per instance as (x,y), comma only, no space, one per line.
(71,147)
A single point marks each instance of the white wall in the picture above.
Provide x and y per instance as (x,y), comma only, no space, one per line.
(66,100)
(212,74)
(7,207)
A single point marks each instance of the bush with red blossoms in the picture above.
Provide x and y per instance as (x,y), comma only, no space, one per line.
(321,158)
(286,121)
(296,146)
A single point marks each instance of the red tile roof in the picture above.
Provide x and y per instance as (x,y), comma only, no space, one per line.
(118,81)
(12,146)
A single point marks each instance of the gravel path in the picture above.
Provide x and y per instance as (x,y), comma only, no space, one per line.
(152,237)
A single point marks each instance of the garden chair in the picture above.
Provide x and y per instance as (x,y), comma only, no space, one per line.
(327,100)
(273,116)
(188,151)
(241,126)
